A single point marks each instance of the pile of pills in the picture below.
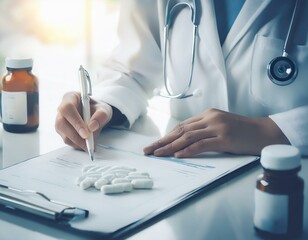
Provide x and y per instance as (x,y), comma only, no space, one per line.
(113,179)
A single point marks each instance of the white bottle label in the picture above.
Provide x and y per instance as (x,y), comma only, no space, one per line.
(14,107)
(271,212)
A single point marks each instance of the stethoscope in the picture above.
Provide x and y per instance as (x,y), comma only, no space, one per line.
(169,17)
(282,70)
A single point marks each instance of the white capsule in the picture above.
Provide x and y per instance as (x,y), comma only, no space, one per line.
(128,187)
(143,183)
(103,169)
(115,188)
(109,177)
(87,182)
(120,180)
(117,172)
(119,175)
(80,179)
(100,182)
(125,172)
(123,168)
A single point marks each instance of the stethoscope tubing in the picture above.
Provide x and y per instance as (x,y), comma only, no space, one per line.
(192,64)
(291,28)
(284,60)
(168,23)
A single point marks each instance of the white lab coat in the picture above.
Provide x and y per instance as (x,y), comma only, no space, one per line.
(232,77)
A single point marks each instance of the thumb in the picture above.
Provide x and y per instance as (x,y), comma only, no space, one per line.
(99,119)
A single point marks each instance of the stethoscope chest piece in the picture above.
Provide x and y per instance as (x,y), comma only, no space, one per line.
(282,70)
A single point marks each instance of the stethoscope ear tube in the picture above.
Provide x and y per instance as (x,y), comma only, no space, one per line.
(171,11)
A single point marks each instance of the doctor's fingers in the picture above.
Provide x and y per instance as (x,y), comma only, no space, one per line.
(69,134)
(69,112)
(184,141)
(183,129)
(180,127)
(213,144)
(102,114)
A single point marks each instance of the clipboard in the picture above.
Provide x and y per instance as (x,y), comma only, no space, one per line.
(176,181)
(38,204)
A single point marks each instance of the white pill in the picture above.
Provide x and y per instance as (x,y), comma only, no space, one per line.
(100,182)
(86,183)
(125,172)
(139,174)
(109,177)
(123,168)
(119,175)
(128,187)
(103,169)
(80,179)
(115,188)
(143,183)
(120,180)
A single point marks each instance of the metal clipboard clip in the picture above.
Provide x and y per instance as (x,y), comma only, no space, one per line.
(39,204)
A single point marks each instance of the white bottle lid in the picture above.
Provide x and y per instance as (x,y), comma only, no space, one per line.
(18,63)
(280,157)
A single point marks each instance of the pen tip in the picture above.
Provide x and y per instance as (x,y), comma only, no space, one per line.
(92,156)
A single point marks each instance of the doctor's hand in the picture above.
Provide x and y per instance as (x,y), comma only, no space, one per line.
(218,131)
(70,125)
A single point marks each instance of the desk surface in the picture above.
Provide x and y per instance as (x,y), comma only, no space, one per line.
(225,212)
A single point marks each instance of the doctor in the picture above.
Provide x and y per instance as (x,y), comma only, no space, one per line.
(236,107)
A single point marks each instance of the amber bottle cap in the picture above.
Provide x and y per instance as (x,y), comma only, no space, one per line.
(19,63)
(280,157)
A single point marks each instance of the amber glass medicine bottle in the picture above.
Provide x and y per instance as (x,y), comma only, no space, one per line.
(19,97)
(279,194)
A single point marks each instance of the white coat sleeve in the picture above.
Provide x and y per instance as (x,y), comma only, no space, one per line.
(294,124)
(128,78)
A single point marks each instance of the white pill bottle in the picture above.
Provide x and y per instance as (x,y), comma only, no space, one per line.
(279,193)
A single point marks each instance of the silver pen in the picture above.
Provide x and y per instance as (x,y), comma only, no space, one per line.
(86,92)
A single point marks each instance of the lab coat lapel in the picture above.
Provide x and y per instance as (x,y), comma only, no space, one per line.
(251,10)
(209,34)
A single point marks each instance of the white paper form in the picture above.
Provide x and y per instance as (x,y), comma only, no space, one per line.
(54,174)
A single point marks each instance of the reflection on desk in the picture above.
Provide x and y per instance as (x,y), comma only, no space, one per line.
(225,212)
(18,147)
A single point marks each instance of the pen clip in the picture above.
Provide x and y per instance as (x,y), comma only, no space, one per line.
(85,81)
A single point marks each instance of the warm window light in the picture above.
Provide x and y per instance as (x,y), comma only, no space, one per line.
(61,20)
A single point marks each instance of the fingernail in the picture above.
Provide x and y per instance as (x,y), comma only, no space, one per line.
(158,152)
(83,133)
(178,154)
(147,150)
(93,125)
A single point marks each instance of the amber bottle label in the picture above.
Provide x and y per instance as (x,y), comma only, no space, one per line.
(271,212)
(14,107)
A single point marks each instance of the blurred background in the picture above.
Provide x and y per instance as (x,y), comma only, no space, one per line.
(59,35)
